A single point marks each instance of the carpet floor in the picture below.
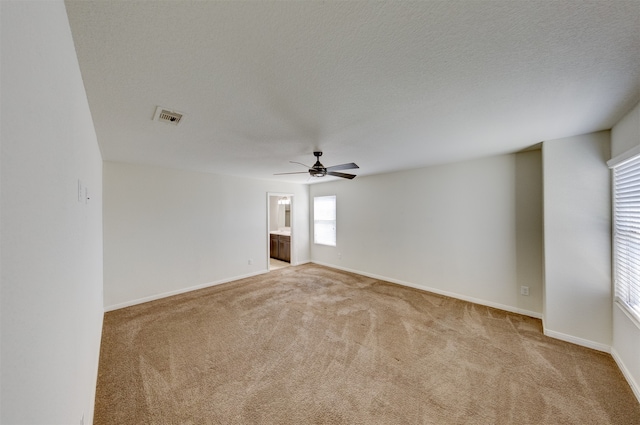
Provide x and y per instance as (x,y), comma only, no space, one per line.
(314,345)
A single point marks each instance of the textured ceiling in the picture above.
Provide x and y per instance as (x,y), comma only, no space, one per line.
(388,85)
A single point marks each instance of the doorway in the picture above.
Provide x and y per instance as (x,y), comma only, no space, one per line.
(280,252)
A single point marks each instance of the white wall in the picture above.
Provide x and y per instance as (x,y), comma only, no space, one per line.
(450,229)
(625,135)
(529,230)
(51,247)
(168,231)
(278,213)
(273,213)
(577,239)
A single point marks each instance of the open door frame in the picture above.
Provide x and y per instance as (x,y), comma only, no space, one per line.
(294,257)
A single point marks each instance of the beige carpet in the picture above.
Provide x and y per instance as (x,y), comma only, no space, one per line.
(313,345)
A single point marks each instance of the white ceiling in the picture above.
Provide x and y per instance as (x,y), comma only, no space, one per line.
(388,85)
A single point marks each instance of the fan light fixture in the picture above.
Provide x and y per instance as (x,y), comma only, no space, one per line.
(319,170)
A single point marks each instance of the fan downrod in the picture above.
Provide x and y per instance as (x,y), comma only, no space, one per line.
(318,170)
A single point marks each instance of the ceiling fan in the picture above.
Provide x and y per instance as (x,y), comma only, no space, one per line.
(319,170)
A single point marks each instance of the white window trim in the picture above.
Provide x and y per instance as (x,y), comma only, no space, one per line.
(622,306)
(633,312)
(333,221)
(625,157)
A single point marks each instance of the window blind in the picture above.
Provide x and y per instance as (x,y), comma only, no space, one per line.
(626,238)
(324,220)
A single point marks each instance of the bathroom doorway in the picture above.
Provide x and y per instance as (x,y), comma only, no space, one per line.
(280,250)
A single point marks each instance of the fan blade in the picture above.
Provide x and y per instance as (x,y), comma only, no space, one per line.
(343,175)
(295,162)
(342,167)
(297,172)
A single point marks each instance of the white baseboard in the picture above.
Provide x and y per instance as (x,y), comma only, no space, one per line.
(635,387)
(439,292)
(179,291)
(577,340)
(558,335)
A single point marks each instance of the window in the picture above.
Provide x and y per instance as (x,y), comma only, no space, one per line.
(626,234)
(324,220)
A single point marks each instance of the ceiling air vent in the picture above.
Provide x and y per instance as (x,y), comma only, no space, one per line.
(167,116)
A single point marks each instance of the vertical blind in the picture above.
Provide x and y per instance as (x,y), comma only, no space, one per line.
(626,239)
(324,220)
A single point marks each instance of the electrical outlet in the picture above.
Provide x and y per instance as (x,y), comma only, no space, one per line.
(524,290)
(250,262)
(339,256)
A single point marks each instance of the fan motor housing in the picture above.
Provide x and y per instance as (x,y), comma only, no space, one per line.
(318,171)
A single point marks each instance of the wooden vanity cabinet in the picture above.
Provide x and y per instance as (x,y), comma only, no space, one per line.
(280,247)
(284,248)
(273,244)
